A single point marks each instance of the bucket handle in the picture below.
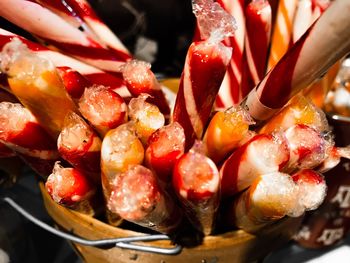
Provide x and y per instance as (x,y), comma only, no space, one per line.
(124,242)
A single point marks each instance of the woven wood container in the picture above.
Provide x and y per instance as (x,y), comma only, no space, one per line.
(234,246)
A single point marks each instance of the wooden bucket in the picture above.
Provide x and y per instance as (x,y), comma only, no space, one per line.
(234,246)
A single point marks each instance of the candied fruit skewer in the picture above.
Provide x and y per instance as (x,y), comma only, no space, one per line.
(81,14)
(165,147)
(137,198)
(270,198)
(120,148)
(94,75)
(225,132)
(264,153)
(305,61)
(21,132)
(140,79)
(54,30)
(71,188)
(37,85)
(103,108)
(204,70)
(79,145)
(230,89)
(146,117)
(196,182)
(282,31)
(257,41)
(299,110)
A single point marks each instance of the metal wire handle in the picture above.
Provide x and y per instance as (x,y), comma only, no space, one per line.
(125,242)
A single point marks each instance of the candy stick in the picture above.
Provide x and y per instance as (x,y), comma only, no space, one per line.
(306,61)
(257,41)
(303,19)
(312,190)
(21,132)
(103,108)
(204,69)
(83,10)
(333,158)
(91,73)
(146,116)
(140,79)
(136,197)
(225,132)
(36,83)
(307,147)
(264,153)
(308,12)
(196,182)
(59,33)
(71,188)
(230,92)
(63,10)
(79,145)
(73,81)
(120,149)
(299,110)
(270,198)
(165,147)
(282,31)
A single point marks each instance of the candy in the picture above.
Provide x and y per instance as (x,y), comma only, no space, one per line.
(21,132)
(282,31)
(140,79)
(53,29)
(103,108)
(79,145)
(37,85)
(308,148)
(136,197)
(146,116)
(71,188)
(225,132)
(270,198)
(165,147)
(257,40)
(299,110)
(230,91)
(196,182)
(264,153)
(204,70)
(307,60)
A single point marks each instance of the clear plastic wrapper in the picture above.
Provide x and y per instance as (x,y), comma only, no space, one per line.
(204,69)
(308,147)
(79,145)
(165,147)
(264,153)
(196,182)
(21,132)
(37,85)
(137,197)
(225,132)
(299,110)
(140,79)
(72,188)
(270,198)
(103,108)
(146,117)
